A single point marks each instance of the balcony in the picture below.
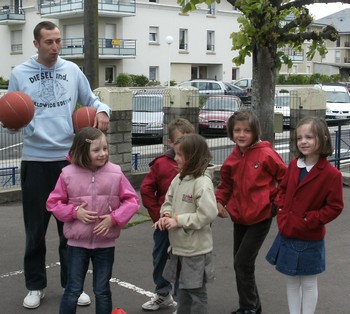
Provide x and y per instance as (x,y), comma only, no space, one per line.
(107,48)
(11,15)
(75,8)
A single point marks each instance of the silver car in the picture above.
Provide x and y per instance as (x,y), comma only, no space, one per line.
(147,117)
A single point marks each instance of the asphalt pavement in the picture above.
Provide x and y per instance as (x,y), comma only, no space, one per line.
(132,283)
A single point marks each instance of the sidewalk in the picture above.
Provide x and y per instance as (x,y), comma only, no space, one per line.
(132,276)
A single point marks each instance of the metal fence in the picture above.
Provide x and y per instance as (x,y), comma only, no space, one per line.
(146,145)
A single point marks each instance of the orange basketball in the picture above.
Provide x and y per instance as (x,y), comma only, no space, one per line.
(16,110)
(83,117)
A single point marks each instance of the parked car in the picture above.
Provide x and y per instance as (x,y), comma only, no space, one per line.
(282,105)
(147,117)
(215,112)
(245,83)
(234,90)
(337,101)
(207,87)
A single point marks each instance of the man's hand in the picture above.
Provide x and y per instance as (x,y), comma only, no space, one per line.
(101,121)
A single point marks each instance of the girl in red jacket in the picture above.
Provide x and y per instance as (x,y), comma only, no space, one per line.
(249,178)
(310,195)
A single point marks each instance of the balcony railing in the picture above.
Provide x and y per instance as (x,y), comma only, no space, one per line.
(106,47)
(11,15)
(69,7)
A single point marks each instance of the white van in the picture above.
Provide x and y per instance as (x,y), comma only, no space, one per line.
(337,101)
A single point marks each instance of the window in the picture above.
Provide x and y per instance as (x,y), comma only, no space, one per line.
(16,41)
(337,57)
(155,1)
(210,41)
(183,34)
(211,9)
(110,74)
(153,34)
(153,73)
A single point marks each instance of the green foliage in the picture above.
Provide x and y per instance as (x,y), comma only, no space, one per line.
(123,80)
(3,83)
(302,79)
(153,83)
(284,91)
(272,25)
(139,80)
(132,80)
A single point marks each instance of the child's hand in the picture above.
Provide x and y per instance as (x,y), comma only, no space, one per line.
(170,223)
(103,227)
(222,211)
(160,224)
(86,216)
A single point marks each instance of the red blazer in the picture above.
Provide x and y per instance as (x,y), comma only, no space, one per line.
(305,208)
(249,183)
(163,169)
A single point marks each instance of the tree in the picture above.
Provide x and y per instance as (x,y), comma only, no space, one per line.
(91,56)
(266,26)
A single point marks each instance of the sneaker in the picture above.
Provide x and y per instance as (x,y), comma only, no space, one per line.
(84,299)
(159,301)
(33,298)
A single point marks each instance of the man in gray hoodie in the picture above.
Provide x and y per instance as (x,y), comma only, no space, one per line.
(55,85)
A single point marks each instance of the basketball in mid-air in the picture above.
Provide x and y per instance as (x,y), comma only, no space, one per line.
(83,117)
(16,110)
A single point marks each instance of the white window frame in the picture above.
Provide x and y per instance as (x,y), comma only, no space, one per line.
(210,40)
(16,41)
(153,34)
(183,39)
(153,73)
(110,69)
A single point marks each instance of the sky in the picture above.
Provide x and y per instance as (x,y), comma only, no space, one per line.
(322,10)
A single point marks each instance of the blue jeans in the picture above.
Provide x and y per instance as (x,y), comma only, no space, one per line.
(160,256)
(78,263)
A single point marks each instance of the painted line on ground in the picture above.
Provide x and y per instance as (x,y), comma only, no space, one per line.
(119,282)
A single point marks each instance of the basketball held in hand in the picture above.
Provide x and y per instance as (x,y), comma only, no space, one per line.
(16,110)
(83,117)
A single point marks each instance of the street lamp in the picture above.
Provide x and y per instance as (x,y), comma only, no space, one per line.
(169,40)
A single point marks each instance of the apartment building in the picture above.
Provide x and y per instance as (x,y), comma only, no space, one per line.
(151,38)
(337,60)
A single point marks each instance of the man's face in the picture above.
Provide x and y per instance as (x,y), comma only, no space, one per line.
(48,46)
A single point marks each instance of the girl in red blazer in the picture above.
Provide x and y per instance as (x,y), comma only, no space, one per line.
(310,195)
(249,178)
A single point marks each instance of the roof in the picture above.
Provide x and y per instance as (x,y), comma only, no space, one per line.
(340,20)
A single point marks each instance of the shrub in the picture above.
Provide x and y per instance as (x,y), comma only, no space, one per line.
(123,80)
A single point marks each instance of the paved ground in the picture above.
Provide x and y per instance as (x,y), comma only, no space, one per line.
(132,279)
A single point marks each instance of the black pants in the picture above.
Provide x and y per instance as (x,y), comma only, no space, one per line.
(38,179)
(247,243)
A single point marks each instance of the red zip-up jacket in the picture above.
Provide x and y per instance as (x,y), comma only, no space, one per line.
(305,207)
(163,170)
(249,183)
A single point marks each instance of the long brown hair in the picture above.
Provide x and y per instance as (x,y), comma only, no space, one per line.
(196,154)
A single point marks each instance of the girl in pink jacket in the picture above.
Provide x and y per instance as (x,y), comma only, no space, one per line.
(95,201)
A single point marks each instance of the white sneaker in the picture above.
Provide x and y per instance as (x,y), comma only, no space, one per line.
(84,299)
(33,298)
(159,301)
